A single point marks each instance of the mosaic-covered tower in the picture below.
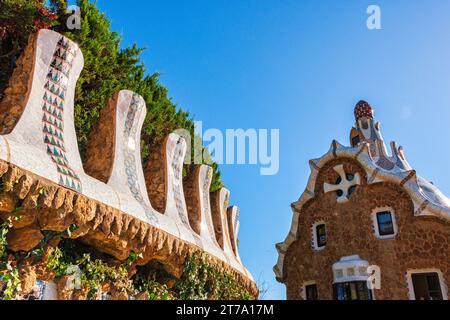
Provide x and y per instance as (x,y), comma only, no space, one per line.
(367,226)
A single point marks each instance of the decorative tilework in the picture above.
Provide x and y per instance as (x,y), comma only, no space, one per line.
(205,192)
(363,109)
(129,135)
(38,291)
(53,113)
(177,169)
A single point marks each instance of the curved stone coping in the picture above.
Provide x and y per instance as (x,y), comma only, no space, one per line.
(106,228)
(375,174)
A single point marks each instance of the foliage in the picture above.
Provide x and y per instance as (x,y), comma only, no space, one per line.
(4,228)
(201,280)
(10,281)
(38,252)
(10,284)
(95,272)
(147,282)
(107,69)
(18,18)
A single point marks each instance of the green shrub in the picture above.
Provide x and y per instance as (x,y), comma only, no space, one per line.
(107,69)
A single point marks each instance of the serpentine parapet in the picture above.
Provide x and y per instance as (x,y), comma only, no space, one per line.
(117,205)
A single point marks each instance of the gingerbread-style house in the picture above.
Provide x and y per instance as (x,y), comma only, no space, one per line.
(367,226)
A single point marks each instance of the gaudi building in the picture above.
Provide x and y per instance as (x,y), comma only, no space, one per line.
(364,208)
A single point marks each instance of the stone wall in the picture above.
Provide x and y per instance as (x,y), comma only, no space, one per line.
(155,177)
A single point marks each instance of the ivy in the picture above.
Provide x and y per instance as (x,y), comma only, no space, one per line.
(10,281)
(56,264)
(94,272)
(201,280)
(148,283)
(4,228)
(9,275)
(133,257)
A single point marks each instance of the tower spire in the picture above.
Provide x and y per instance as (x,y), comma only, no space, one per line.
(368,130)
(363,110)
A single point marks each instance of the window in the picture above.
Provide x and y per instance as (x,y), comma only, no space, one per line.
(311,292)
(355,141)
(384,223)
(356,290)
(321,235)
(427,286)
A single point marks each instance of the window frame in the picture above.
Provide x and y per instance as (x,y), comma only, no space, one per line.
(356,285)
(304,292)
(376,225)
(409,278)
(315,235)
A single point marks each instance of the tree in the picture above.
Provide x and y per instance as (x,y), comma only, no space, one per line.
(107,69)
(18,18)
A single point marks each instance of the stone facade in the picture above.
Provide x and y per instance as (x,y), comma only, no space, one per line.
(421,241)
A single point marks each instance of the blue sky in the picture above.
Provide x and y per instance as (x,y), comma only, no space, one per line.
(298,66)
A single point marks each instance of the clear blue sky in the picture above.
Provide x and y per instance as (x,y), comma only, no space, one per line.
(299,66)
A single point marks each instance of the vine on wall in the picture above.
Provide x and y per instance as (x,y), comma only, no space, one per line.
(9,274)
(99,273)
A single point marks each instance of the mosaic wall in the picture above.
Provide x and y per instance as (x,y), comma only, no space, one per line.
(129,147)
(53,113)
(177,167)
(38,291)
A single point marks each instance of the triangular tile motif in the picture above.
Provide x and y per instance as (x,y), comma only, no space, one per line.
(53,117)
